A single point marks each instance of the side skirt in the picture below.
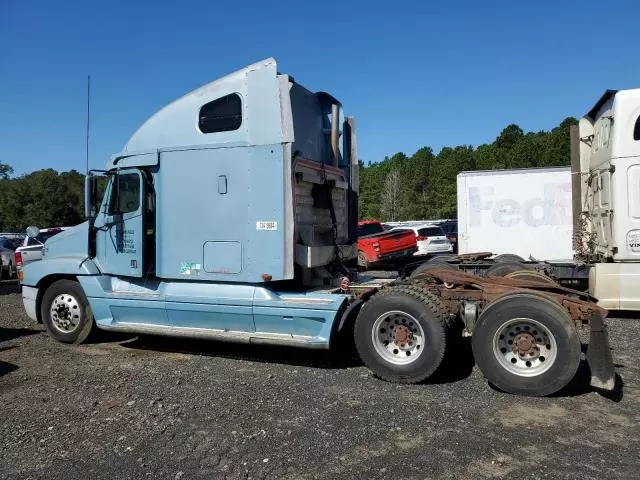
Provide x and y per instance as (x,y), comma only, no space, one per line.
(262,338)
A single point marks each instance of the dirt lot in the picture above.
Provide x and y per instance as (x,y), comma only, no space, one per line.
(166,409)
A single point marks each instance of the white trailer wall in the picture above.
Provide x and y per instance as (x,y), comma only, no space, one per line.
(526,212)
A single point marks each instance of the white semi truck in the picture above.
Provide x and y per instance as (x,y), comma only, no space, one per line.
(524,216)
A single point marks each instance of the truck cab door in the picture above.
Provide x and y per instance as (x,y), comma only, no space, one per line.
(120,229)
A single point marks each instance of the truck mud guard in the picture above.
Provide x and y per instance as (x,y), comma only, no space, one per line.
(599,355)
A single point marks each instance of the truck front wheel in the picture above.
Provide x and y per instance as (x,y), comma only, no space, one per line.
(400,334)
(66,312)
(526,344)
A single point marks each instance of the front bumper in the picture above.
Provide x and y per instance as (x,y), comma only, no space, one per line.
(29,297)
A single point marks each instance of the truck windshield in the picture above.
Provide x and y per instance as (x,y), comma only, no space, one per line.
(369,229)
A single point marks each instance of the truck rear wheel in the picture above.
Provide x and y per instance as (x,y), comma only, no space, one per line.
(508,257)
(444,258)
(431,264)
(400,334)
(66,312)
(531,275)
(503,268)
(526,344)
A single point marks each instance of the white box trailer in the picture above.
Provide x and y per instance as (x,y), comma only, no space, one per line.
(526,212)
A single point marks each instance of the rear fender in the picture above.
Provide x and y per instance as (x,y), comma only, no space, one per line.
(348,316)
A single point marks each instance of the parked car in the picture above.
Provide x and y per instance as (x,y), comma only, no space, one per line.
(429,239)
(7,258)
(450,228)
(375,244)
(31,248)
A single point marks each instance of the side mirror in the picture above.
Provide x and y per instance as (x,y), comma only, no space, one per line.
(90,190)
(32,232)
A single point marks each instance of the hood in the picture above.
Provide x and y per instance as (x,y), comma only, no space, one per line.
(71,242)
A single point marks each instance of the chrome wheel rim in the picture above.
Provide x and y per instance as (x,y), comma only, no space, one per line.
(525,347)
(65,313)
(398,337)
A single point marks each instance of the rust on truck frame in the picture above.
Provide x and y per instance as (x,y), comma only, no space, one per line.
(455,285)
(457,288)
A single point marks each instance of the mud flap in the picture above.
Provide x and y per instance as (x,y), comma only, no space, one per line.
(599,355)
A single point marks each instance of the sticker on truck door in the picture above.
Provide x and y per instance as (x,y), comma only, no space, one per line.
(633,240)
(266,225)
(189,268)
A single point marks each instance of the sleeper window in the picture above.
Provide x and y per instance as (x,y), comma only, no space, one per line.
(221,115)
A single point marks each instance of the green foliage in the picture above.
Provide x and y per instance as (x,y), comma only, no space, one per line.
(44,198)
(422,186)
(428,182)
(5,171)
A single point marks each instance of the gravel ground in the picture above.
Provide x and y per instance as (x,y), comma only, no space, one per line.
(129,407)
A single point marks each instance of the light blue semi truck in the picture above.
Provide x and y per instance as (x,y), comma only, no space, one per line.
(231,214)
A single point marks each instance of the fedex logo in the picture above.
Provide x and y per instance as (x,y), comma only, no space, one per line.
(552,208)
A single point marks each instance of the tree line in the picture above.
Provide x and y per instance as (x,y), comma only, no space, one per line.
(422,186)
(44,198)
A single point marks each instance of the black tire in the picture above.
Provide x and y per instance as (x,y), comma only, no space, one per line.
(531,275)
(508,257)
(5,273)
(441,258)
(497,317)
(421,305)
(428,265)
(503,268)
(61,291)
(363,261)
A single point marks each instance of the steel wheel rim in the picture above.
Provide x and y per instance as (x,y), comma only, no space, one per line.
(398,337)
(525,347)
(65,313)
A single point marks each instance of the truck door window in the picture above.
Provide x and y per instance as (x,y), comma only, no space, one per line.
(221,115)
(125,197)
(636,130)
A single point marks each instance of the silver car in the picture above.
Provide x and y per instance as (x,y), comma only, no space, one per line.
(7,258)
(31,248)
(430,239)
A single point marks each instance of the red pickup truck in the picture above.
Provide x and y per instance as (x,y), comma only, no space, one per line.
(375,244)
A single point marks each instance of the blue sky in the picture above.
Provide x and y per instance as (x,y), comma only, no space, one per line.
(414,73)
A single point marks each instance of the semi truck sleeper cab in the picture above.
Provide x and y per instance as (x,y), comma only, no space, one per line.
(231,214)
